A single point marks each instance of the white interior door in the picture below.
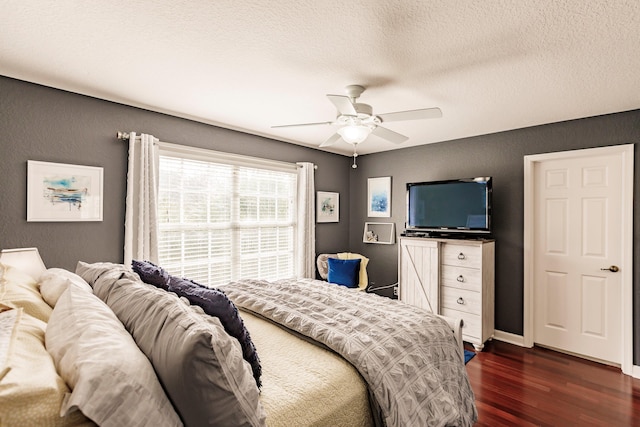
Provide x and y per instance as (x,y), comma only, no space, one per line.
(578,225)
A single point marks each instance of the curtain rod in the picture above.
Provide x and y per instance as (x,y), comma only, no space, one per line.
(124,136)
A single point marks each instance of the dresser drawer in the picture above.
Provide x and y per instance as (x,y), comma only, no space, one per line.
(471,326)
(461,277)
(461,299)
(462,255)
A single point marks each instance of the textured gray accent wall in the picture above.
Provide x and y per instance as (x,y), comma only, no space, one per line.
(499,155)
(40,123)
(45,124)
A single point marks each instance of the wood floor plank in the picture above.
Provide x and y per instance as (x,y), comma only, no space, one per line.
(516,386)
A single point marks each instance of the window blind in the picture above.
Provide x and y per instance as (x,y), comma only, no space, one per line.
(221,221)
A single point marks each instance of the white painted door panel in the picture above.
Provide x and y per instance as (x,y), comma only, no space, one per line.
(577,304)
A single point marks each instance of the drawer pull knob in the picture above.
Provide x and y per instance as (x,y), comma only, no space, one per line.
(461,256)
(460,278)
(460,301)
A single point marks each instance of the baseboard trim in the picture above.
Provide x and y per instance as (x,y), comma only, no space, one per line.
(635,371)
(509,338)
(519,340)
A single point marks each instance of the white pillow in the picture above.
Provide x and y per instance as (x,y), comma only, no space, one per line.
(31,391)
(9,318)
(55,281)
(113,382)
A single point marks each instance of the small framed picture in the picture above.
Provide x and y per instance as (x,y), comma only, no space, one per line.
(379,197)
(62,192)
(328,207)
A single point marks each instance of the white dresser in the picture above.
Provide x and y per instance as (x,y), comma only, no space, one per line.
(452,277)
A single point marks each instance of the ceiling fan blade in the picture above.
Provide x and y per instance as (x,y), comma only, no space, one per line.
(332,140)
(389,135)
(302,124)
(343,104)
(424,113)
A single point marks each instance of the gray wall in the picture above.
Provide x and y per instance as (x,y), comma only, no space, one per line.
(40,123)
(500,156)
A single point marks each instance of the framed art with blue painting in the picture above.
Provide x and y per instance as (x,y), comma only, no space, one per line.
(328,207)
(379,197)
(61,192)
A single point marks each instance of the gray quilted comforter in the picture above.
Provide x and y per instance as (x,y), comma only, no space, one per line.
(408,357)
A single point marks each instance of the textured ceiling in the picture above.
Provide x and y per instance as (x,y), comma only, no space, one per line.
(489,65)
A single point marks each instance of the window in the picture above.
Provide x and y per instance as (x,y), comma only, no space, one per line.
(222,218)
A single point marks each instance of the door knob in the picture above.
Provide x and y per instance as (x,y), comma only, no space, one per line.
(613,269)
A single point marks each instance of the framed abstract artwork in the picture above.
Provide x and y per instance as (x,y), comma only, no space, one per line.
(61,192)
(379,197)
(328,207)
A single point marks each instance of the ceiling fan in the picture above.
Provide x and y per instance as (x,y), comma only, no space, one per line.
(356,120)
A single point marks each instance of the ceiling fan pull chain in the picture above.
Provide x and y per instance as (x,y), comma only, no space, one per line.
(354,165)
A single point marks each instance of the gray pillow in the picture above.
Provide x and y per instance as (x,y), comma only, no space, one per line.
(113,382)
(103,270)
(214,302)
(198,363)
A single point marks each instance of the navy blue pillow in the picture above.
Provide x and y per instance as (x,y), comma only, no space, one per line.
(345,272)
(214,302)
(151,273)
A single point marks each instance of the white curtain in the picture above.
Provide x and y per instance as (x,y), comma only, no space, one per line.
(141,220)
(306,229)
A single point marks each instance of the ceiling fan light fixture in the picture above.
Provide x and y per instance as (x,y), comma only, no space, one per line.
(354,134)
(355,120)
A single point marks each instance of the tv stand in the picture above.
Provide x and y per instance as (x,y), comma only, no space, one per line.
(451,277)
(414,234)
(444,235)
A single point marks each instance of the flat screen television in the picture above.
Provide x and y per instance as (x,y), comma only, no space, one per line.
(451,207)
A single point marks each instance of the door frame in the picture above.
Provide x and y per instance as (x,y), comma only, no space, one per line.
(626,263)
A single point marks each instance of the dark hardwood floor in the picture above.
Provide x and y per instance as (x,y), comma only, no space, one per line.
(517,386)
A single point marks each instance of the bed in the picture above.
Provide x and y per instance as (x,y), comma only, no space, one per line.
(107,345)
